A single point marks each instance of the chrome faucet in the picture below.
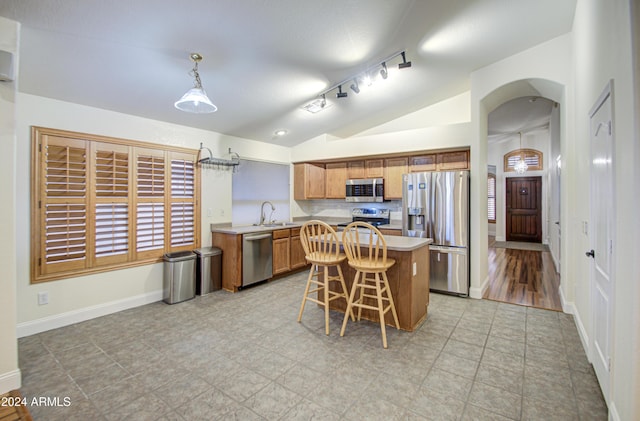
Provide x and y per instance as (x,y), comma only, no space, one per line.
(262,217)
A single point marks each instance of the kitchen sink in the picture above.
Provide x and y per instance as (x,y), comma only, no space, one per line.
(278,224)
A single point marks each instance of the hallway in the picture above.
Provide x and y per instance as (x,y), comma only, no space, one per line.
(523,277)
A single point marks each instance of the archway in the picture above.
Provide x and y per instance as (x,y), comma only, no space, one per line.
(481,107)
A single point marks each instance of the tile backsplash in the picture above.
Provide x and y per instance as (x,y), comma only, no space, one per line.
(342,209)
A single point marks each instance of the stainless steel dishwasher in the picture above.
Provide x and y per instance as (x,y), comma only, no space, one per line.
(257,250)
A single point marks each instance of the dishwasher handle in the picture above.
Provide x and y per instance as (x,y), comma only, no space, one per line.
(256,237)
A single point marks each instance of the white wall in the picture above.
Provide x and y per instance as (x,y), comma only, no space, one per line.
(603,51)
(9,372)
(79,298)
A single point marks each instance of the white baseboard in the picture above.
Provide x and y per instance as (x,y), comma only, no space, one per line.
(475,292)
(65,319)
(613,412)
(10,381)
(584,337)
(500,238)
(567,307)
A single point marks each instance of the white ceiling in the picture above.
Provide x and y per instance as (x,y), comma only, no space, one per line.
(264,59)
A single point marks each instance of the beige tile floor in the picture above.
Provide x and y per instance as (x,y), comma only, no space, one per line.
(243,356)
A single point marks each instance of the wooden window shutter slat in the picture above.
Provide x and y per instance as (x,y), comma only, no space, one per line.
(150,227)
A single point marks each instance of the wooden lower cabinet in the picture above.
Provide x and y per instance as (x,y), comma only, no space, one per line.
(281,251)
(297,251)
(390,231)
(231,246)
(288,255)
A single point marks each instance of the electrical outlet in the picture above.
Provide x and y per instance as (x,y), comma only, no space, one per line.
(209,213)
(43,298)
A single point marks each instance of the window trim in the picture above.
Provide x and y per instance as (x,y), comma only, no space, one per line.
(529,154)
(495,186)
(92,263)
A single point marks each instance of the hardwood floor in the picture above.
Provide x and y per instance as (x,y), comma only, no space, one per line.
(523,277)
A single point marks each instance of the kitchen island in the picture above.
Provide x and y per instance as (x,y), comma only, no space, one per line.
(408,281)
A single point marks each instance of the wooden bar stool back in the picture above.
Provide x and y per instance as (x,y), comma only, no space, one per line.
(366,251)
(322,250)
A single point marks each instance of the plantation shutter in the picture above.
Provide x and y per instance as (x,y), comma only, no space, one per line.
(63,205)
(491,198)
(101,203)
(182,201)
(150,207)
(111,223)
(532,157)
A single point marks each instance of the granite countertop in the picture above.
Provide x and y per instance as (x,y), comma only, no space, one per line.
(246,229)
(398,243)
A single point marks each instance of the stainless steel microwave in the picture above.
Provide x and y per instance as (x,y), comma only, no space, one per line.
(365,190)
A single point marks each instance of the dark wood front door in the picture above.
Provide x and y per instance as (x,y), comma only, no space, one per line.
(524,209)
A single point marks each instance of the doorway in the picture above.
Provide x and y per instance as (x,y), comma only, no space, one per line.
(524,209)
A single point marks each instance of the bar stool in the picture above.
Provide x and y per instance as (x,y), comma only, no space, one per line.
(321,248)
(366,251)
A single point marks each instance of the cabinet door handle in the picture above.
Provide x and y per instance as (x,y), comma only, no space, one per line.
(591,254)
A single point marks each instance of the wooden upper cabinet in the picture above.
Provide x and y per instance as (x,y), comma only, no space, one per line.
(374,168)
(423,163)
(336,179)
(458,160)
(355,169)
(308,181)
(393,170)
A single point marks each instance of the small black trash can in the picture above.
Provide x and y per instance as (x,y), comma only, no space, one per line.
(208,270)
(179,277)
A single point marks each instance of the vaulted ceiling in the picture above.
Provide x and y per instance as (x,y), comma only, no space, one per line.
(265,59)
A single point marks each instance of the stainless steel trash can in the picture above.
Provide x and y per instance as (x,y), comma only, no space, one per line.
(179,278)
(208,270)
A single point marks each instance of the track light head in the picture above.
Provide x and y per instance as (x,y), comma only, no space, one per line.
(383,72)
(354,86)
(324,101)
(341,94)
(404,63)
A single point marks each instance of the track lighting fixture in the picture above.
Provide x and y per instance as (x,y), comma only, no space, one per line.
(196,99)
(383,72)
(354,86)
(404,63)
(364,78)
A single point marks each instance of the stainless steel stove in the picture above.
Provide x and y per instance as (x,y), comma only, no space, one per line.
(373,216)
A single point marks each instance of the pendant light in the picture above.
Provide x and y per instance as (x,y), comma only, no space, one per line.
(521,166)
(196,99)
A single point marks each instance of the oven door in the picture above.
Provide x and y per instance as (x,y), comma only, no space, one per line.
(365,190)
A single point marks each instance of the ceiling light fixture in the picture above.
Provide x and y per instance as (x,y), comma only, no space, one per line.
(196,99)
(317,105)
(521,166)
(354,86)
(280,132)
(383,72)
(364,78)
(404,63)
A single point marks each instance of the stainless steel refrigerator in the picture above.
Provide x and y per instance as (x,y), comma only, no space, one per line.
(436,205)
